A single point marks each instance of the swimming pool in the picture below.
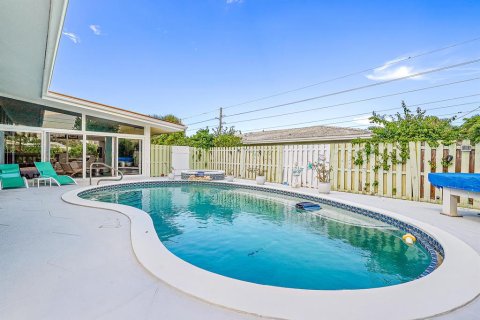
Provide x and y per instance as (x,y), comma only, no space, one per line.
(257,235)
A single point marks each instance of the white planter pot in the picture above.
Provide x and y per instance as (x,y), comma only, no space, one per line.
(324,187)
(295,182)
(171,176)
(260,180)
(229,178)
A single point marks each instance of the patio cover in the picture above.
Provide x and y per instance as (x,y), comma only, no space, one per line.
(462,181)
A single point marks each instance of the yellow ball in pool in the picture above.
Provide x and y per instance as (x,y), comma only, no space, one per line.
(409,238)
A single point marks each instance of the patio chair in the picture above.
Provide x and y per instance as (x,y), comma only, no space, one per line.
(58,168)
(70,170)
(10,177)
(46,171)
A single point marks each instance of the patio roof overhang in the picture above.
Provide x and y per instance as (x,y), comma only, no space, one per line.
(30,33)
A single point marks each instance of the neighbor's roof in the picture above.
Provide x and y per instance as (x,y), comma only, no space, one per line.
(305,135)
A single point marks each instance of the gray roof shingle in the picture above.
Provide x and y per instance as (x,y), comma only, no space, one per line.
(306,134)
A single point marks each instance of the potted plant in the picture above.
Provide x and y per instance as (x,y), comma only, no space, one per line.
(171,175)
(322,171)
(259,174)
(229,177)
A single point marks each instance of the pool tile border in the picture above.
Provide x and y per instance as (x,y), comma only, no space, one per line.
(433,247)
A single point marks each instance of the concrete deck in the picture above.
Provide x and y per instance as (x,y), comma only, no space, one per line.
(59,261)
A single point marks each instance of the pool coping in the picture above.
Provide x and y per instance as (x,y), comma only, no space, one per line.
(453,284)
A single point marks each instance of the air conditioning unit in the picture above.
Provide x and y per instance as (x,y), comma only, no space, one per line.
(466,148)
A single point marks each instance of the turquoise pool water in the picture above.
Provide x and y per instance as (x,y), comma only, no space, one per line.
(261,237)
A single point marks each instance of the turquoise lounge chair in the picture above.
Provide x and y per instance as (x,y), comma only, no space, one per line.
(10,177)
(46,171)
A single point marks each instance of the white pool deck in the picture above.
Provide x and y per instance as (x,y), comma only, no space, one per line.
(60,261)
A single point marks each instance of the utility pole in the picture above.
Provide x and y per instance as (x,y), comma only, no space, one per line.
(220,121)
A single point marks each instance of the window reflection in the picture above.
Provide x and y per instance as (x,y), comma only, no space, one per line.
(129,156)
(104,125)
(66,154)
(22,148)
(15,112)
(99,150)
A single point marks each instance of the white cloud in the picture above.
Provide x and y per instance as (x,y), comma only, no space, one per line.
(234,1)
(390,70)
(362,120)
(72,36)
(96,29)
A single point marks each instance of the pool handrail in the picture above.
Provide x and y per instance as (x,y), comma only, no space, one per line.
(105,179)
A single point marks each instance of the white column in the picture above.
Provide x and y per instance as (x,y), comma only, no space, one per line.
(2,147)
(449,206)
(84,156)
(146,153)
(84,143)
(45,146)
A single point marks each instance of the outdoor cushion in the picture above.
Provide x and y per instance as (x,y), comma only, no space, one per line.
(46,170)
(463,181)
(10,176)
(10,183)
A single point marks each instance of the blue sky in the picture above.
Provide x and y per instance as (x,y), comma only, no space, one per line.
(190,57)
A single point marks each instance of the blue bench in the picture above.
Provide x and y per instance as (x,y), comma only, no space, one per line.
(455,185)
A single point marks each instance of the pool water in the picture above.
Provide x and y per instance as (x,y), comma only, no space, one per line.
(262,238)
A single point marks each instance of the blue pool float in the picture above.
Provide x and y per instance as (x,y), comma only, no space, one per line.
(309,206)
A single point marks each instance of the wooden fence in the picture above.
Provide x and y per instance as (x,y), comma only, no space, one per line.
(277,161)
(382,172)
(385,174)
(240,160)
(160,160)
(302,155)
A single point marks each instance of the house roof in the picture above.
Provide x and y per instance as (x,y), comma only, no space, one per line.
(305,135)
(165,125)
(30,33)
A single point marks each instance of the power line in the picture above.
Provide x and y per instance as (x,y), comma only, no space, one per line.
(360,88)
(340,77)
(190,124)
(465,115)
(350,102)
(438,115)
(220,118)
(200,114)
(366,113)
(355,101)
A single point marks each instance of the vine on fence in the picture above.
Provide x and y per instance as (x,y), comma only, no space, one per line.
(398,130)
(405,127)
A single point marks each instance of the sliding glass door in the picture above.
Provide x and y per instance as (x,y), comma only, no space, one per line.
(22,148)
(66,153)
(100,149)
(72,153)
(130,156)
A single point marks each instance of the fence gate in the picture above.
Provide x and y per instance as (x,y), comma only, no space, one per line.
(302,155)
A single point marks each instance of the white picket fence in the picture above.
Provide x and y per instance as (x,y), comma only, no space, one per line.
(301,156)
(277,161)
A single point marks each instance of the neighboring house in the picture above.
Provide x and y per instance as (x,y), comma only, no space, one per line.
(307,135)
(40,125)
